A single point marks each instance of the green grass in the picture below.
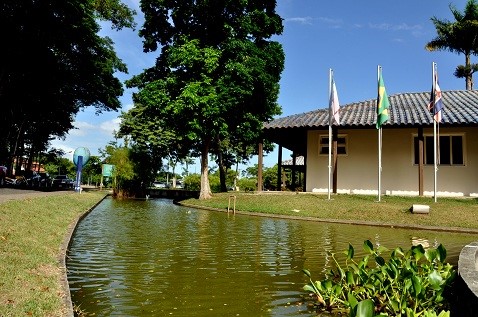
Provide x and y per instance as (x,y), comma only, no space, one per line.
(31,234)
(393,210)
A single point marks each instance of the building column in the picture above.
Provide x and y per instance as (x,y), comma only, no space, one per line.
(279,169)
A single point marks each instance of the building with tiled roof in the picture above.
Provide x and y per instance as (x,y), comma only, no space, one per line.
(410,126)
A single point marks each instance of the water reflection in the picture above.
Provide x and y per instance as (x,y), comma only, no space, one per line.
(153,258)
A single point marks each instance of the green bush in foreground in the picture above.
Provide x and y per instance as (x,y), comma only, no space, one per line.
(410,283)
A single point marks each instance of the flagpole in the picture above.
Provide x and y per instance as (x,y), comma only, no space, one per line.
(379,146)
(434,136)
(330,130)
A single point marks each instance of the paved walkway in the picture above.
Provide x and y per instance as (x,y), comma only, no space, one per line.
(7,193)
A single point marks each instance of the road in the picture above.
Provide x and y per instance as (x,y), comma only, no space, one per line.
(7,193)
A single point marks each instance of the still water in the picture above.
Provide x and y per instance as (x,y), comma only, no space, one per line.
(154,258)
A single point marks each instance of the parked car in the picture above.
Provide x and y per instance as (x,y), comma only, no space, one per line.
(32,178)
(62,181)
(45,179)
(3,174)
(157,184)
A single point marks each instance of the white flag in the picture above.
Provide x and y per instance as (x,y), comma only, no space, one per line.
(334,103)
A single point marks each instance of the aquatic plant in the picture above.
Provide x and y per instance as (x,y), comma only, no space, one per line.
(407,283)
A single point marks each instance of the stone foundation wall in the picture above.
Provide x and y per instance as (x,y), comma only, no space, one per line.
(467,282)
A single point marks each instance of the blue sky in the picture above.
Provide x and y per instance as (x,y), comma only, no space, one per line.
(351,37)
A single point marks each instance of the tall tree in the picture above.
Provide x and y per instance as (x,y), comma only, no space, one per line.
(459,36)
(218,71)
(55,64)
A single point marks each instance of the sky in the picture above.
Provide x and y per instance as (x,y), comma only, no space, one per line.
(348,36)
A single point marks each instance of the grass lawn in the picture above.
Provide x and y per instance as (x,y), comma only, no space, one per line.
(31,234)
(392,210)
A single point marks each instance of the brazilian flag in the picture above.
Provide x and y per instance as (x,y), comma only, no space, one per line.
(382,103)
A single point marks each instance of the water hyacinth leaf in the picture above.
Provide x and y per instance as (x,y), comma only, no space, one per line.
(417,285)
(418,252)
(309,288)
(364,308)
(397,252)
(342,273)
(337,289)
(441,253)
(382,249)
(368,246)
(349,278)
(431,255)
(352,300)
(354,267)
(380,261)
(350,252)
(395,305)
(318,285)
(435,280)
(327,285)
(408,285)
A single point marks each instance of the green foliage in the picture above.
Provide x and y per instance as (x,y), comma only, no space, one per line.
(217,76)
(459,36)
(247,184)
(192,182)
(129,176)
(409,283)
(215,183)
(61,166)
(61,39)
(92,171)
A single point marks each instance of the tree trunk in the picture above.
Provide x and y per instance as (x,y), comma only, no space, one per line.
(205,192)
(222,168)
(469,77)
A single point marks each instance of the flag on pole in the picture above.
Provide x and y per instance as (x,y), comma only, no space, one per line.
(334,106)
(436,103)
(382,103)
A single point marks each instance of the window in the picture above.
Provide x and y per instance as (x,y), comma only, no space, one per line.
(451,150)
(341,145)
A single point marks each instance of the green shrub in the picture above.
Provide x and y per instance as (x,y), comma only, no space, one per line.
(247,184)
(192,182)
(215,183)
(409,284)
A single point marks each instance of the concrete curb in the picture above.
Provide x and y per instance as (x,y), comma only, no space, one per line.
(66,295)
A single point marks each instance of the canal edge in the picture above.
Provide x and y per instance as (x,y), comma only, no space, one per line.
(65,245)
(338,221)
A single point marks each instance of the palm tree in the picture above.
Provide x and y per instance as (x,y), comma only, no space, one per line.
(461,37)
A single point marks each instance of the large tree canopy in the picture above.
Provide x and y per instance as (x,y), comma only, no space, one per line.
(459,36)
(54,63)
(217,76)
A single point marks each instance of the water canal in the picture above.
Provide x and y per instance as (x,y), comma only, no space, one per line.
(154,258)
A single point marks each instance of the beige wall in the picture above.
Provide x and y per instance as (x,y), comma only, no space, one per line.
(357,172)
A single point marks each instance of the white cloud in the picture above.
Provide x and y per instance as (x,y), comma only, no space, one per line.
(110,126)
(300,20)
(332,23)
(396,27)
